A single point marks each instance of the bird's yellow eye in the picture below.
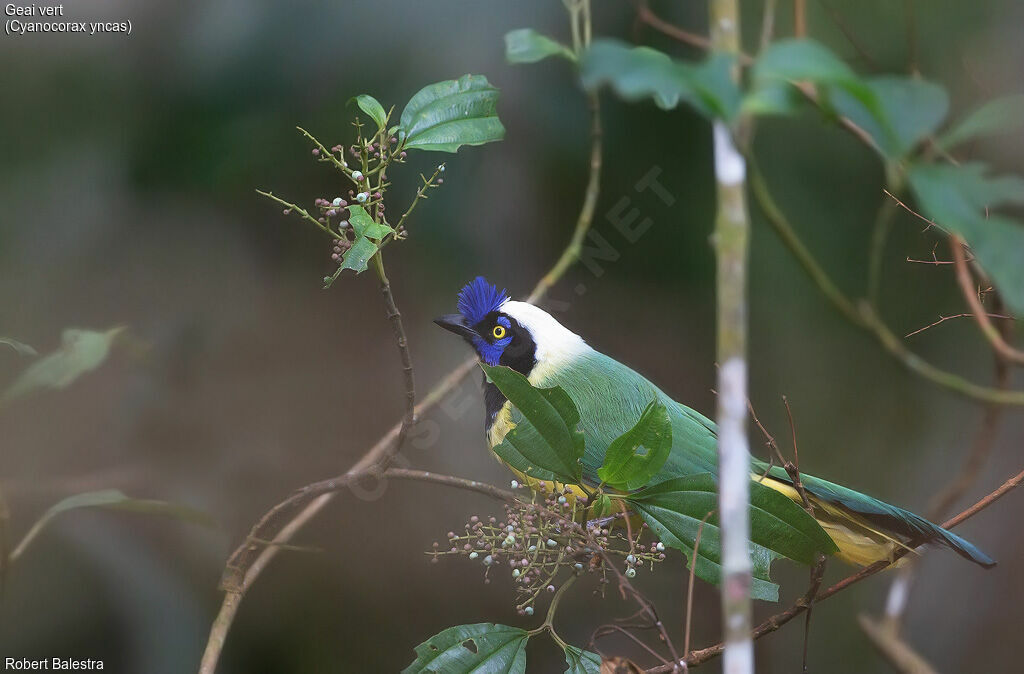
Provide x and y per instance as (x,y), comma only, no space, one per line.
(498,332)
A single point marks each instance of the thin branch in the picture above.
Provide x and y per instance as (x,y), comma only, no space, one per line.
(779,619)
(571,253)
(970,293)
(238,577)
(864,316)
(690,583)
(800,18)
(898,652)
(943,319)
(837,19)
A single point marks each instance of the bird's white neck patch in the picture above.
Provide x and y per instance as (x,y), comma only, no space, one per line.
(556,344)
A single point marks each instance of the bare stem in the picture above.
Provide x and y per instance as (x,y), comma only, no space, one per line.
(970,293)
(779,619)
(864,316)
(239,577)
(731,241)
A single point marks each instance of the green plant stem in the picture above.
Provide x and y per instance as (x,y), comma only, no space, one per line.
(880,234)
(421,193)
(552,608)
(301,211)
(863,315)
(324,152)
(585,219)
(776,621)
(247,562)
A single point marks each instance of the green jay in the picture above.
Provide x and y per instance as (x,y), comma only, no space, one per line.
(611,397)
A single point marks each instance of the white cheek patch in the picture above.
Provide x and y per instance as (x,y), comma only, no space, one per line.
(555,344)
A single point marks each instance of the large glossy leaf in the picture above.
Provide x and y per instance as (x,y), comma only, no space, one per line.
(483,648)
(526,45)
(636,73)
(960,199)
(779,527)
(638,454)
(372,107)
(548,437)
(113,499)
(579,661)
(905,111)
(81,351)
(1000,115)
(443,117)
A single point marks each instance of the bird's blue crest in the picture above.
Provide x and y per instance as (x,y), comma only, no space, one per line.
(479,298)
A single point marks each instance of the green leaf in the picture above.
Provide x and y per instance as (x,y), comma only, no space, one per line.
(636,73)
(1000,115)
(579,661)
(443,117)
(528,46)
(358,256)
(905,111)
(547,438)
(960,198)
(802,60)
(774,98)
(779,527)
(113,499)
(364,225)
(637,455)
(81,351)
(20,348)
(602,506)
(483,648)
(372,107)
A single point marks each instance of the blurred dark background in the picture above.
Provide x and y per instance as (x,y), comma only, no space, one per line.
(127,182)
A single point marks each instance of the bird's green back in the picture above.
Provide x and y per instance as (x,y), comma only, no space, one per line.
(611,397)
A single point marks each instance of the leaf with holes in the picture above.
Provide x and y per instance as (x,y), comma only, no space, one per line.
(960,199)
(637,455)
(636,73)
(1000,115)
(579,661)
(779,527)
(443,117)
(364,225)
(372,107)
(528,46)
(357,257)
(81,351)
(481,648)
(545,443)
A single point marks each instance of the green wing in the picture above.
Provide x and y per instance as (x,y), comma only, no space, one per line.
(611,397)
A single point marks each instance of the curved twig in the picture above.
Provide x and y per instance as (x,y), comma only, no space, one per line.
(970,293)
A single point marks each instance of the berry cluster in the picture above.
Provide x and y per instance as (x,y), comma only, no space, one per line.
(541,539)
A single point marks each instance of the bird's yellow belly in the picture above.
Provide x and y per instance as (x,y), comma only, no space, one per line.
(859,543)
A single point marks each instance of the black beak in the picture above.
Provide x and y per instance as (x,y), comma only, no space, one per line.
(454,323)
